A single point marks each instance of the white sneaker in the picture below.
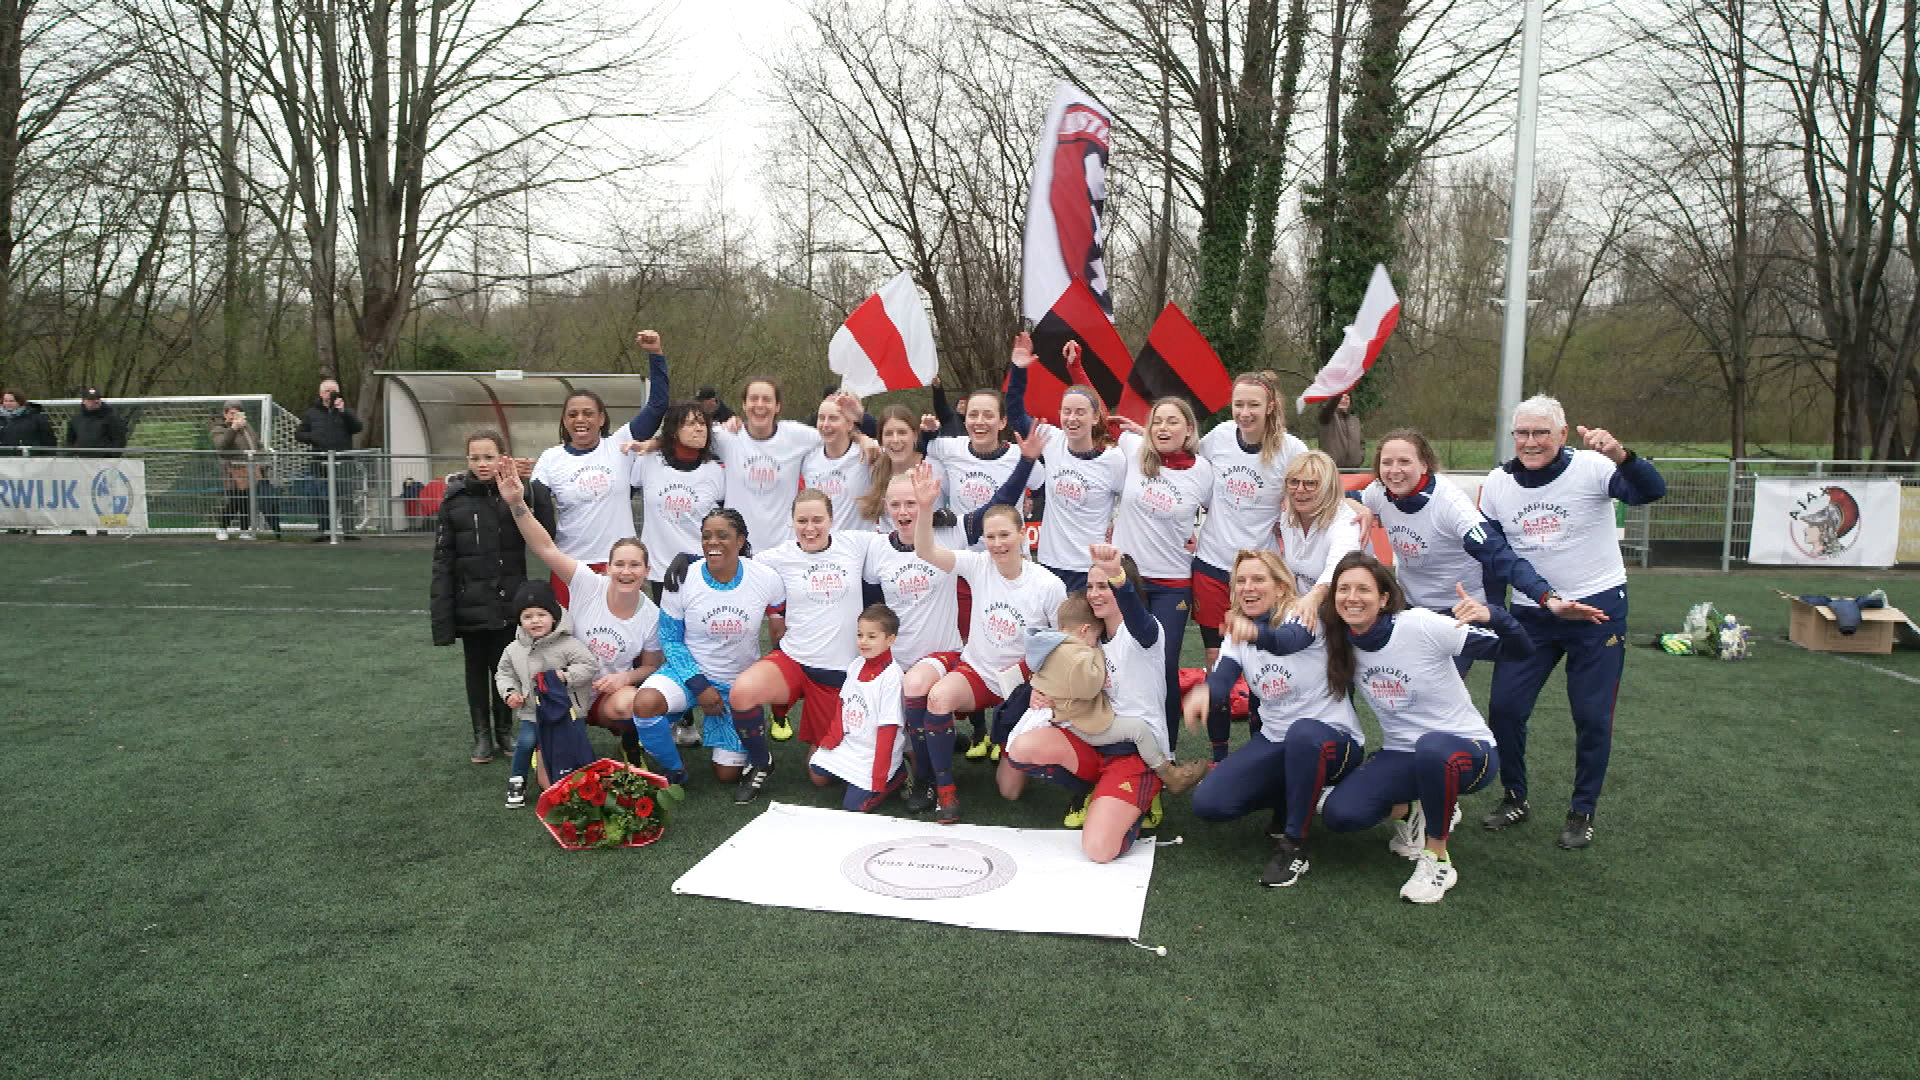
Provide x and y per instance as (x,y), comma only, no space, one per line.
(1409,837)
(219,534)
(1430,881)
(245,535)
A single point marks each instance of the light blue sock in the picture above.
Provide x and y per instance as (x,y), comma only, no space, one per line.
(656,735)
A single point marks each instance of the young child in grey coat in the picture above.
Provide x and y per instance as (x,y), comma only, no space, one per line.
(540,650)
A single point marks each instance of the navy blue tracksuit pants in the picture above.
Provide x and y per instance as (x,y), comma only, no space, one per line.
(1596,653)
(1171,608)
(1285,777)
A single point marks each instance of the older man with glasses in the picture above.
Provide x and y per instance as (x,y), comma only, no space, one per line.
(1555,505)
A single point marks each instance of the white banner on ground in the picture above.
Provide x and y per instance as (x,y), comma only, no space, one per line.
(1822,521)
(73,493)
(986,877)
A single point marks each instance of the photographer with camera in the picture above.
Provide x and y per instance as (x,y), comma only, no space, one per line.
(329,425)
(240,473)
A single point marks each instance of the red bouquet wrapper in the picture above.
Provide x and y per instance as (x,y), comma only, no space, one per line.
(608,798)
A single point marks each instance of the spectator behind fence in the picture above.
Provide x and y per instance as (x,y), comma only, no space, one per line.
(328,425)
(1340,434)
(97,428)
(233,437)
(23,423)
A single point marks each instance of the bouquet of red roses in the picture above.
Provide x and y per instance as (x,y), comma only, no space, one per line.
(607,804)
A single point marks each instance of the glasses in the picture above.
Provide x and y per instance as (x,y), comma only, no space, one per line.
(1532,433)
(1295,483)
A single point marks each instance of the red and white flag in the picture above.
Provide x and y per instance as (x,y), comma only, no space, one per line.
(886,343)
(1379,312)
(1066,238)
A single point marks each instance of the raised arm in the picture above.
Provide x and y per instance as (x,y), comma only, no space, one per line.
(647,420)
(539,540)
(1635,481)
(1022,359)
(926,489)
(1133,613)
(947,421)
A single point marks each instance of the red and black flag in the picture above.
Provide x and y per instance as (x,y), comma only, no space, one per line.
(1177,361)
(1078,316)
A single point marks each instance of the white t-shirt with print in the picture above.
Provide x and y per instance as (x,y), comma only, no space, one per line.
(1412,684)
(922,596)
(615,642)
(1005,609)
(1081,495)
(1247,496)
(823,590)
(1158,513)
(673,502)
(1292,687)
(763,476)
(1564,527)
(843,480)
(592,497)
(723,623)
(971,480)
(866,707)
(1428,555)
(1312,555)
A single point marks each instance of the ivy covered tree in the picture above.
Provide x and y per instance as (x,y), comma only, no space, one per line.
(1358,208)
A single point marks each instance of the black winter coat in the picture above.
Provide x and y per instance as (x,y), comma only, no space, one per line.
(97,429)
(30,428)
(327,429)
(479,558)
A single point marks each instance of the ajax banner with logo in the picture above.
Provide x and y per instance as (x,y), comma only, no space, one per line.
(986,877)
(73,493)
(1824,521)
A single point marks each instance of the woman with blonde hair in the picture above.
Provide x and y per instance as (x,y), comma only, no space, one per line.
(1167,484)
(1318,525)
(899,432)
(1307,738)
(1085,469)
(1249,454)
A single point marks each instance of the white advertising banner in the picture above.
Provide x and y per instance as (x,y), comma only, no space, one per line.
(1822,521)
(73,493)
(982,876)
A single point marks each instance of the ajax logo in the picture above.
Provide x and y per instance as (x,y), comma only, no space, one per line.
(1826,522)
(112,497)
(925,868)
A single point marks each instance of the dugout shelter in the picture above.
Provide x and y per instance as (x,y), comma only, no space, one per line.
(429,414)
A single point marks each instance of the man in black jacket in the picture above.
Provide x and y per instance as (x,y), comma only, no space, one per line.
(97,427)
(329,425)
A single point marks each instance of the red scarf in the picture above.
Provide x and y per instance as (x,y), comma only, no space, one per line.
(685,454)
(1177,459)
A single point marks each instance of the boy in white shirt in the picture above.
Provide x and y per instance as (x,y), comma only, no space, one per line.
(862,745)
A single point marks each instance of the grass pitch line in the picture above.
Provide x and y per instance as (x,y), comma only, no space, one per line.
(414,612)
(1901,675)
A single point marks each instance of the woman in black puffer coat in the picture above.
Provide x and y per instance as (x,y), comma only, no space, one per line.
(479,561)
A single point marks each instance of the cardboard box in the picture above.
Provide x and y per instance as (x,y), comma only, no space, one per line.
(1814,628)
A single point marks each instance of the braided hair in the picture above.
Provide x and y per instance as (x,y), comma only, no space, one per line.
(682,563)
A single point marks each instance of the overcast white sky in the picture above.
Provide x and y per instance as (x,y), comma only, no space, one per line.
(721,42)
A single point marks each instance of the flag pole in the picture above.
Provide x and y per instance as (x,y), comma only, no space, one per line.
(1513,331)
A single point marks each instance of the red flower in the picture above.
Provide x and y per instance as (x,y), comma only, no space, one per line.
(643,806)
(591,791)
(596,832)
(605,767)
(568,833)
(624,800)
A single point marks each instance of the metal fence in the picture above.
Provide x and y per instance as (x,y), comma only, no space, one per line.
(1706,518)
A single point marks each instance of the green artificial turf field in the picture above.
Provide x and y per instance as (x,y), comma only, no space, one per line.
(246,842)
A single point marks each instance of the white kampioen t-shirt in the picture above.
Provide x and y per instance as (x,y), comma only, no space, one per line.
(1005,609)
(673,502)
(1312,555)
(722,622)
(921,595)
(1247,496)
(592,500)
(971,480)
(1292,687)
(1563,527)
(613,641)
(1157,513)
(763,476)
(1429,556)
(866,708)
(823,597)
(843,480)
(1412,684)
(1081,495)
